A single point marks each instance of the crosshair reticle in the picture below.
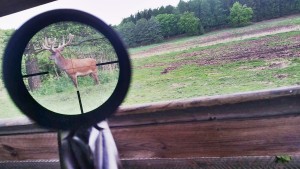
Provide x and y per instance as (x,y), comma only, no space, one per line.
(57,64)
(66,69)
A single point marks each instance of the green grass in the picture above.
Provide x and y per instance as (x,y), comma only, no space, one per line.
(66,102)
(187,81)
(59,95)
(194,81)
(8,109)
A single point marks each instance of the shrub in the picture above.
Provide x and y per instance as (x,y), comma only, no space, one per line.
(190,24)
(240,15)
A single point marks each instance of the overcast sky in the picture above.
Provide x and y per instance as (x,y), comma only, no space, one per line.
(110,11)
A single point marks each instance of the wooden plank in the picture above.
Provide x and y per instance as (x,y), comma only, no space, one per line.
(12,6)
(251,109)
(183,104)
(219,138)
(263,127)
(29,147)
(241,105)
(225,138)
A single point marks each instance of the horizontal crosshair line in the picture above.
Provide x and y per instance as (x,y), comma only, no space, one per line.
(43,73)
(106,63)
(35,74)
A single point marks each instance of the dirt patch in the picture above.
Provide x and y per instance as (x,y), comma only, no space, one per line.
(279,64)
(254,50)
(168,69)
(243,51)
(281,76)
(178,85)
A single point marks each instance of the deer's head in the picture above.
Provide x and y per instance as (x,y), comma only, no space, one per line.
(49,44)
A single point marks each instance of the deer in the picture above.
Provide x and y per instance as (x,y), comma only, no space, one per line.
(72,67)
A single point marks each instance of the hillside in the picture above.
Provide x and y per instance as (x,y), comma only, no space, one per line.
(260,56)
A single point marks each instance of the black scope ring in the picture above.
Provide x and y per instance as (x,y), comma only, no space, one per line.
(17,90)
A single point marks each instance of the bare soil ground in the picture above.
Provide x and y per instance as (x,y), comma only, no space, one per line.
(267,48)
(214,39)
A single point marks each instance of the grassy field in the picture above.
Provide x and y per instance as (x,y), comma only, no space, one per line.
(219,69)
(267,61)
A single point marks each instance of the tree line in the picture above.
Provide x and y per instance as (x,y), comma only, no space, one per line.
(195,17)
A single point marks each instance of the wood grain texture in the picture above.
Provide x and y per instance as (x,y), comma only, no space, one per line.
(28,147)
(279,106)
(218,138)
(257,127)
(240,105)
(12,6)
(225,138)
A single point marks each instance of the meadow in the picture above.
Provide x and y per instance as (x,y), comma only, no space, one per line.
(261,56)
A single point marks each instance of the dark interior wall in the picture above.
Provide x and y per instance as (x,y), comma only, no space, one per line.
(12,6)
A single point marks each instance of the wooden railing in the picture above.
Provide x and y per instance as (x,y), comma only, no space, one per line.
(191,133)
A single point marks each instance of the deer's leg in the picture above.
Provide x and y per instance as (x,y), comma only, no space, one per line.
(95,77)
(74,80)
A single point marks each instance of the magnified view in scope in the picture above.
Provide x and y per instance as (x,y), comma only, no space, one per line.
(70,68)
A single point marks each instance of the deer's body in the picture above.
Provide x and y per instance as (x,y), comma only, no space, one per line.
(73,67)
(77,67)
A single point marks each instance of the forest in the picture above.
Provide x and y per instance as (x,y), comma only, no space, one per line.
(195,17)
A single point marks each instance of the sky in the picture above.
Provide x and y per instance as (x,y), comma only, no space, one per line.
(110,11)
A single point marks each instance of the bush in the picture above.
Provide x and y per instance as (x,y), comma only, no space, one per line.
(168,24)
(190,24)
(240,15)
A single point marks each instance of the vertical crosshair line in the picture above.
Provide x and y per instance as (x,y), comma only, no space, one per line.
(80,104)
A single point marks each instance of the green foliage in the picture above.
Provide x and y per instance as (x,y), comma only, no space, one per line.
(168,23)
(189,24)
(4,37)
(142,33)
(183,6)
(149,13)
(54,85)
(240,15)
(283,159)
(127,32)
(215,14)
(147,31)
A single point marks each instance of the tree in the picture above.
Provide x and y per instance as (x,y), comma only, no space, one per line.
(190,24)
(218,14)
(147,32)
(240,15)
(206,14)
(127,32)
(168,23)
(183,6)
(154,29)
(169,9)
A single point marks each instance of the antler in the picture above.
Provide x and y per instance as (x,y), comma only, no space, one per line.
(49,44)
(61,46)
